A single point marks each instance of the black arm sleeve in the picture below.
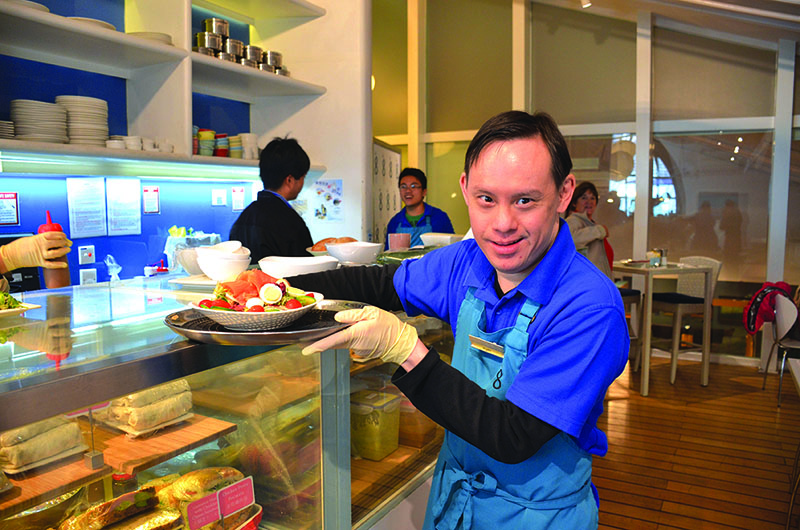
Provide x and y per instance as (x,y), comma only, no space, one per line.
(369,284)
(498,428)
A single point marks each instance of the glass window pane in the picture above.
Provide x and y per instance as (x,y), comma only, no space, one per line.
(445,163)
(710,197)
(696,77)
(584,66)
(468,62)
(389,67)
(607,162)
(792,260)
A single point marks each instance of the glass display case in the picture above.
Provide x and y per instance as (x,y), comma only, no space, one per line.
(146,406)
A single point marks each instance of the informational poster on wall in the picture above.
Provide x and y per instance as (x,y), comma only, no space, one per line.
(326,200)
(151,200)
(86,201)
(9,208)
(123,196)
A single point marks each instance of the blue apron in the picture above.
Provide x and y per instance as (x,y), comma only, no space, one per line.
(416,231)
(552,489)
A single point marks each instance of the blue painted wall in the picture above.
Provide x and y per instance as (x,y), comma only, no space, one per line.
(183,203)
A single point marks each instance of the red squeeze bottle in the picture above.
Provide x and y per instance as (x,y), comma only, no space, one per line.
(54,278)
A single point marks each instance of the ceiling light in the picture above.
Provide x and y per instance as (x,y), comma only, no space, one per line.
(586,3)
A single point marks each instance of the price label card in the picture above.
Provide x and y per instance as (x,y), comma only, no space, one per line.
(236,497)
(203,511)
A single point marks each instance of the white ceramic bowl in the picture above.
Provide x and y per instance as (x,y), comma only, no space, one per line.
(187,258)
(360,252)
(437,239)
(222,268)
(251,321)
(285,266)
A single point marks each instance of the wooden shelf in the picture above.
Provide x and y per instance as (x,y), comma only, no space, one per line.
(215,77)
(249,10)
(119,452)
(53,39)
(373,482)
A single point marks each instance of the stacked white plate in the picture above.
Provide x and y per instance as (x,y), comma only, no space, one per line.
(87,119)
(39,121)
(152,35)
(6,129)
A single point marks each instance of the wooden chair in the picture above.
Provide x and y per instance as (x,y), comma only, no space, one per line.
(785,318)
(689,298)
(632,299)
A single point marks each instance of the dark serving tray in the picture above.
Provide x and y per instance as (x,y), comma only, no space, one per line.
(314,325)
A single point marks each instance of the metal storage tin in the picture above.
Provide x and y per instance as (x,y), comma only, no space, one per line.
(253,53)
(219,26)
(204,51)
(272,58)
(206,39)
(234,47)
(226,57)
(282,71)
(266,67)
(248,62)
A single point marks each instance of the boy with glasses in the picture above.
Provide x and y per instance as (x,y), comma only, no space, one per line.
(417,217)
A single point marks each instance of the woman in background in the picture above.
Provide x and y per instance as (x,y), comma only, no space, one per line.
(589,237)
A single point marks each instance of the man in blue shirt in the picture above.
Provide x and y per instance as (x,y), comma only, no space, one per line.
(540,335)
(417,217)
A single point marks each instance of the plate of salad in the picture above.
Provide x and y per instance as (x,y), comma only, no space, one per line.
(256,301)
(11,306)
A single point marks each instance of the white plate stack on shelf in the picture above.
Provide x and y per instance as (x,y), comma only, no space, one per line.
(6,129)
(87,119)
(39,121)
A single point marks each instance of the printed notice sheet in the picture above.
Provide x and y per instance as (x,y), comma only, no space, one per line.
(86,200)
(124,206)
(9,208)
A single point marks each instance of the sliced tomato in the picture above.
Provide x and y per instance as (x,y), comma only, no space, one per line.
(311,295)
(220,303)
(205,303)
(293,304)
(256,309)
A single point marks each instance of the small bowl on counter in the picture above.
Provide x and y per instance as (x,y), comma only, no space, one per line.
(357,252)
(222,267)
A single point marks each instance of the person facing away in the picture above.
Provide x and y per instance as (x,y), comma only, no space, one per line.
(589,237)
(540,334)
(417,217)
(269,226)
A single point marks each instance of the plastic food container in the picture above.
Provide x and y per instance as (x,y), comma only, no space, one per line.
(374,424)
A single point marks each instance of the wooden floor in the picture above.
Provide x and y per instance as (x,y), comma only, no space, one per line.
(689,457)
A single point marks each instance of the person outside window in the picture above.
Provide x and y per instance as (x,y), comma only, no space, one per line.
(269,226)
(417,217)
(591,239)
(540,334)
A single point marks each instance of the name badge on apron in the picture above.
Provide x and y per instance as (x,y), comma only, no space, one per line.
(485,346)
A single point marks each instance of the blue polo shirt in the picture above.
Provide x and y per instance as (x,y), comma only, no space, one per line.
(578,343)
(436,218)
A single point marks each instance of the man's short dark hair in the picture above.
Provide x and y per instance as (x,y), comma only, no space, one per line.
(414,172)
(516,124)
(279,159)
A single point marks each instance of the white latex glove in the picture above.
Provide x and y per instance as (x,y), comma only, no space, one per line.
(36,251)
(374,333)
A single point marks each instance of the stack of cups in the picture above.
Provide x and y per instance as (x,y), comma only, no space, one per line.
(221,145)
(235,146)
(249,146)
(195,144)
(205,140)
(133,143)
